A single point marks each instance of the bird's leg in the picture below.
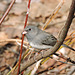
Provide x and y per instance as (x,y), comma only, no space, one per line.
(35,56)
(37,52)
(31,50)
(42,52)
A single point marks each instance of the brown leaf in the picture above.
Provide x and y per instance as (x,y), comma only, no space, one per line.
(3,35)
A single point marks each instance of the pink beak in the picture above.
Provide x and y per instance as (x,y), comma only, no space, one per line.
(24,32)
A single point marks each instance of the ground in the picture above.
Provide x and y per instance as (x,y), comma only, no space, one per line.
(13,25)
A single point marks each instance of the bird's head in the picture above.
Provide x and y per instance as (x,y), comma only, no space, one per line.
(30,31)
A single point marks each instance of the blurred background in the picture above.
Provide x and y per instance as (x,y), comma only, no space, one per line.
(13,25)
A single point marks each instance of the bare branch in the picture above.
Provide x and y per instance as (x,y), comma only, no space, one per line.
(7,11)
(12,40)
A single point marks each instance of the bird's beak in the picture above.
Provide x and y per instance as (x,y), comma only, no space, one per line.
(24,32)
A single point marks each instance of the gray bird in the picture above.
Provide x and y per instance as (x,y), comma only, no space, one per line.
(40,39)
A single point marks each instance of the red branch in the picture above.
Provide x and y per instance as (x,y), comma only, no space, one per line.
(7,11)
(23,38)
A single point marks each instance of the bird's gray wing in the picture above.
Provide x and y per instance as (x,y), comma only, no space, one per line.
(48,39)
(45,38)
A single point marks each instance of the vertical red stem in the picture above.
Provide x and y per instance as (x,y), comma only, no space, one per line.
(27,13)
(23,38)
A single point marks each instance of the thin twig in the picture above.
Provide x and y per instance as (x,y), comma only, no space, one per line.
(52,67)
(12,40)
(72,70)
(23,37)
(67,59)
(53,14)
(57,71)
(17,62)
(59,65)
(36,67)
(65,62)
(7,11)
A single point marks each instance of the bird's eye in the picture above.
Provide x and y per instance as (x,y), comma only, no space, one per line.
(29,29)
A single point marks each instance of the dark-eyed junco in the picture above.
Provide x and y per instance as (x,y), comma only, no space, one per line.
(38,38)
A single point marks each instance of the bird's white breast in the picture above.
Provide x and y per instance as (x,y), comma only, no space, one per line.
(38,46)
